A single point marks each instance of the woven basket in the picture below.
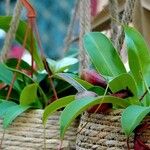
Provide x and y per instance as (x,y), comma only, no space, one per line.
(103,132)
(27,133)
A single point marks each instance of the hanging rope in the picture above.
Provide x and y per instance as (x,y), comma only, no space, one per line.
(69,37)
(7,7)
(12,30)
(85,26)
(113,9)
(126,19)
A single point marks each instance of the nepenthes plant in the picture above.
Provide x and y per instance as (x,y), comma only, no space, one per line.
(30,87)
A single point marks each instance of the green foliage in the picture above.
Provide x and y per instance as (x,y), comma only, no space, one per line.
(29,96)
(12,113)
(12,63)
(97,89)
(103,55)
(6,76)
(4,24)
(139,58)
(65,76)
(4,106)
(61,65)
(73,109)
(108,63)
(9,111)
(132,116)
(75,78)
(29,92)
(123,81)
(60,103)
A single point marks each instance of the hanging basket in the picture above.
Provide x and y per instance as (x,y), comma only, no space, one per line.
(27,133)
(103,131)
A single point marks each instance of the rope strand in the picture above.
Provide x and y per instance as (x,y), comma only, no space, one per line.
(12,30)
(85,26)
(113,8)
(68,39)
(126,19)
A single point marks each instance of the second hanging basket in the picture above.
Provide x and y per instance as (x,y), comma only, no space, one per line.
(103,132)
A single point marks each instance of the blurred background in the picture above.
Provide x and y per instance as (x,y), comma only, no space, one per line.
(53,18)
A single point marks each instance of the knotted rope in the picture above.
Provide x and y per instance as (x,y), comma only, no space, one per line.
(126,19)
(113,8)
(69,37)
(85,26)
(12,30)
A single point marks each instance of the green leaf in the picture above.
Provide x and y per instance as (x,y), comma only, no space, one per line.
(5,23)
(12,63)
(6,76)
(65,63)
(103,54)
(61,65)
(98,90)
(20,73)
(60,103)
(29,95)
(132,117)
(52,64)
(123,81)
(4,106)
(71,81)
(139,57)
(12,113)
(76,107)
(84,83)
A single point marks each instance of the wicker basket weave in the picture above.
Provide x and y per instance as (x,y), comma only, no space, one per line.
(27,133)
(103,132)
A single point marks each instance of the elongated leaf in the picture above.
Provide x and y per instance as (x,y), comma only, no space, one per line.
(12,113)
(76,107)
(29,95)
(61,65)
(65,63)
(4,24)
(103,54)
(4,106)
(60,103)
(84,83)
(6,76)
(71,81)
(123,81)
(139,57)
(132,117)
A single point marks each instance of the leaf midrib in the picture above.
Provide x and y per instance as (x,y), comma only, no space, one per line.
(98,47)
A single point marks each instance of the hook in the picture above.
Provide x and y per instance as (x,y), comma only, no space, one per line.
(30,10)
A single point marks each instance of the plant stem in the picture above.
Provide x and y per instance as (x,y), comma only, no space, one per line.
(144,95)
(17,67)
(44,59)
(128,146)
(53,88)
